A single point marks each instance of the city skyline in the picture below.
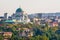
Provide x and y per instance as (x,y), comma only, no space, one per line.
(29,6)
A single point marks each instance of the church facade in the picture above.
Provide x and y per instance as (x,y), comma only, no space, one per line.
(20,16)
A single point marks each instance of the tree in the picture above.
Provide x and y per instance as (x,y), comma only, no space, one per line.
(1,37)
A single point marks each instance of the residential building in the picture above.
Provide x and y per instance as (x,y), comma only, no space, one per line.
(7,34)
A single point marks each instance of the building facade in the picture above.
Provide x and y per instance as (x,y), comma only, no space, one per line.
(20,16)
(5,16)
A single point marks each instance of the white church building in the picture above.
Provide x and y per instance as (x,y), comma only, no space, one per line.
(20,16)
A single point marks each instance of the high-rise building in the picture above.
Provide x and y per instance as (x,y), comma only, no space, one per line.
(5,16)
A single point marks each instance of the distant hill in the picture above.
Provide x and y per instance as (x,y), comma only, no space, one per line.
(39,15)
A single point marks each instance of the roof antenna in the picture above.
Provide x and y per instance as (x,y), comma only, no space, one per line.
(19,6)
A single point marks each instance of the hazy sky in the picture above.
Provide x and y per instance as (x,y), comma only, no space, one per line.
(30,6)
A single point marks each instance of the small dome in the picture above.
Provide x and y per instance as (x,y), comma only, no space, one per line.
(19,10)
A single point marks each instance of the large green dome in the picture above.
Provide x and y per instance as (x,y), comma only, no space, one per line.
(19,10)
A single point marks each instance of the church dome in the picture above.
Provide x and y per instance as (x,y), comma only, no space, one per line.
(19,10)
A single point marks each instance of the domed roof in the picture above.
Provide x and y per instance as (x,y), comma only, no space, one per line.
(19,10)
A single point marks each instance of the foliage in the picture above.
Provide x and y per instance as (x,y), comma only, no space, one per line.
(40,32)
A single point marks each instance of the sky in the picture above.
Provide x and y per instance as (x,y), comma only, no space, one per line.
(29,6)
